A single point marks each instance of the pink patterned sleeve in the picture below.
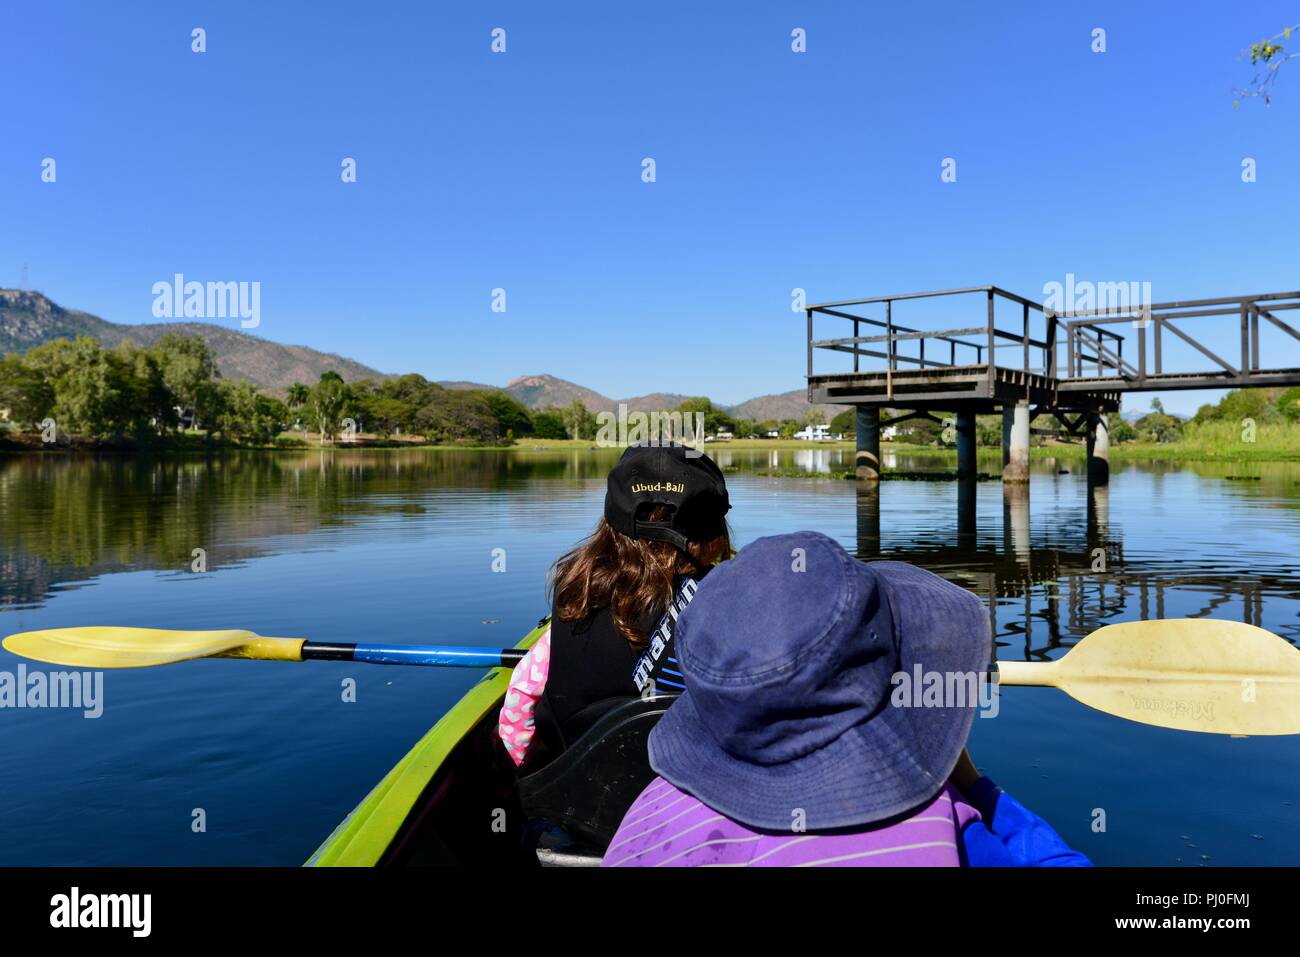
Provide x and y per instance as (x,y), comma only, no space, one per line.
(515,725)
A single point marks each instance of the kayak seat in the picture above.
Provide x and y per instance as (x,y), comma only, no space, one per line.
(589,786)
(583,720)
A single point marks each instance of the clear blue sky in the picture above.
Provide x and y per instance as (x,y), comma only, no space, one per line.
(522,170)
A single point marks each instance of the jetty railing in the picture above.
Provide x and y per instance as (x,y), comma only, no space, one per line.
(1150,328)
(1113,349)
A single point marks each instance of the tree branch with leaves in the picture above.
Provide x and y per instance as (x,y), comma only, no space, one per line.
(1267,56)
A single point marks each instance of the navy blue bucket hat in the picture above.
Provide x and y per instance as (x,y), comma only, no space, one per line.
(789,715)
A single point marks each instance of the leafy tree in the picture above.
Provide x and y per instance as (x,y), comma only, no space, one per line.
(297,397)
(549,424)
(1247,404)
(988,431)
(249,416)
(579,423)
(330,403)
(1288,404)
(86,385)
(25,393)
(715,419)
(1120,430)
(53,360)
(148,404)
(189,372)
(390,405)
(411,388)
(1206,413)
(80,381)
(372,407)
(456,415)
(512,418)
(921,431)
(845,423)
(98,394)
(383,413)
(1156,426)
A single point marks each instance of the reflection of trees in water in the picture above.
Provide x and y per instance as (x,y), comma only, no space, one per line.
(65,519)
(25,579)
(1047,587)
(71,518)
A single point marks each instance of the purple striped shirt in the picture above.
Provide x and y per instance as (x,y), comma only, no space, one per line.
(666,827)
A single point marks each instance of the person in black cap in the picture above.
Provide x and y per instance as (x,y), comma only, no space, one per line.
(615,598)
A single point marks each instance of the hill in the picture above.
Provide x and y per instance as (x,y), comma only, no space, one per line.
(543,391)
(28,319)
(782,405)
(546,391)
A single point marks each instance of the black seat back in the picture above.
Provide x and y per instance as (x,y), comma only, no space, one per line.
(589,787)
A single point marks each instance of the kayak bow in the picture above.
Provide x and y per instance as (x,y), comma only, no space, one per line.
(413,803)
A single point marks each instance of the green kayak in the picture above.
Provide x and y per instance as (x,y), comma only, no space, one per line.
(458,799)
(436,805)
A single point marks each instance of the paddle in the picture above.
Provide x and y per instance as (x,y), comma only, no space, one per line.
(1191,674)
(108,647)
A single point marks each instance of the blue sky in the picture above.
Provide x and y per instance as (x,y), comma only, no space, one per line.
(522,170)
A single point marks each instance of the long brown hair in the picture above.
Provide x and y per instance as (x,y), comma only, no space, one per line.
(630,576)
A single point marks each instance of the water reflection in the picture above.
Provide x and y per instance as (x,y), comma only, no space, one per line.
(814,461)
(1049,558)
(1052,569)
(64,520)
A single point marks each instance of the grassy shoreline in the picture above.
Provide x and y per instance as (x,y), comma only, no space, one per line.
(1271,445)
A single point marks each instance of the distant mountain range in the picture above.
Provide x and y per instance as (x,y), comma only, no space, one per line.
(546,391)
(28,319)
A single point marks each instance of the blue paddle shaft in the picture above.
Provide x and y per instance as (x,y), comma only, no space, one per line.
(450,656)
(440,656)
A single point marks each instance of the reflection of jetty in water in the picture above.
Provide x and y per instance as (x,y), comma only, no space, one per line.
(1048,592)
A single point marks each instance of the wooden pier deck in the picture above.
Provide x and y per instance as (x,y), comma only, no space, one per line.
(1056,361)
(1038,361)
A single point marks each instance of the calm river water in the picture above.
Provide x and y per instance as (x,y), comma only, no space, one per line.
(350,546)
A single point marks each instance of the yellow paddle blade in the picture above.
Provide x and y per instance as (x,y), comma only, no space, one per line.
(1191,674)
(101,647)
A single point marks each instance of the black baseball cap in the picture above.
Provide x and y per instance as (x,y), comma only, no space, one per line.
(684,479)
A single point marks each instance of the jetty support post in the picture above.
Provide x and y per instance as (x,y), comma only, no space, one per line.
(1015,443)
(966,510)
(868,504)
(1015,521)
(1098,449)
(867,460)
(966,467)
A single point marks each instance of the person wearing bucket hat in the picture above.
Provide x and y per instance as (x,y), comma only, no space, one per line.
(617,595)
(811,730)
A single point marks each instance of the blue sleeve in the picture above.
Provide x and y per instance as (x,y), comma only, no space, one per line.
(1011,835)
